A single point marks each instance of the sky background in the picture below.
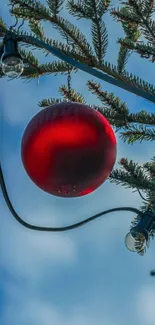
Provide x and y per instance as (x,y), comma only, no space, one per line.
(86,276)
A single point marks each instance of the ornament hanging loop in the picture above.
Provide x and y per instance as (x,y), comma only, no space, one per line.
(69,83)
(69,73)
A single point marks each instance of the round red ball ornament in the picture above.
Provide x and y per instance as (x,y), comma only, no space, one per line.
(68,149)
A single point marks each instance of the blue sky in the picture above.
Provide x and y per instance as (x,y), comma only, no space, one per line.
(82,277)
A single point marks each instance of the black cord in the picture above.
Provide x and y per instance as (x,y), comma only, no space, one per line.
(54,229)
(143,198)
(11,27)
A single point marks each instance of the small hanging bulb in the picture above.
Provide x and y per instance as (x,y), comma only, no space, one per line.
(135,241)
(138,237)
(11,61)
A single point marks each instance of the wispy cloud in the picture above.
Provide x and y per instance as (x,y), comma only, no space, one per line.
(145,304)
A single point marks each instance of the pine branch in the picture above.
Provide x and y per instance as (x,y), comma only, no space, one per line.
(79,9)
(29,9)
(145,50)
(138,133)
(125,17)
(123,56)
(151,201)
(3,27)
(75,36)
(39,12)
(93,10)
(55,6)
(147,25)
(118,113)
(55,67)
(132,177)
(64,48)
(128,78)
(131,29)
(85,9)
(103,6)
(99,39)
(140,180)
(146,7)
(115,119)
(29,59)
(49,68)
(108,98)
(150,168)
(106,67)
(126,122)
(138,14)
(142,117)
(97,8)
(123,178)
(75,97)
(37,29)
(34,70)
(140,171)
(49,102)
(132,33)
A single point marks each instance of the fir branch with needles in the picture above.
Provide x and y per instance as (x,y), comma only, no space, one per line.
(93,10)
(150,168)
(55,6)
(138,13)
(109,99)
(132,175)
(146,51)
(75,97)
(138,133)
(132,33)
(3,27)
(49,102)
(42,13)
(37,29)
(136,20)
(85,9)
(99,38)
(79,10)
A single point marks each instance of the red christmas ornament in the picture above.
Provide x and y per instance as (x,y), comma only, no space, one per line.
(68,149)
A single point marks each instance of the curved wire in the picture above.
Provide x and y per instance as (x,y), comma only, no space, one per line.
(142,195)
(11,27)
(55,229)
(143,198)
(22,23)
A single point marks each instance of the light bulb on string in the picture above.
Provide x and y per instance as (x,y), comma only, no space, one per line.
(137,239)
(11,61)
(12,66)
